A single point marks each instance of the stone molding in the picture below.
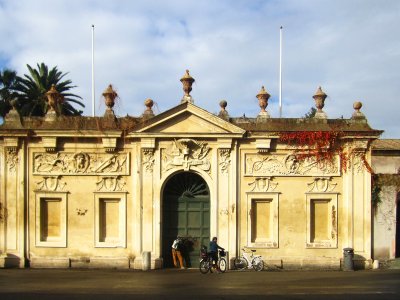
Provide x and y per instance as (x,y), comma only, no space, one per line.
(49,143)
(360,145)
(11,144)
(109,144)
(263,145)
(330,241)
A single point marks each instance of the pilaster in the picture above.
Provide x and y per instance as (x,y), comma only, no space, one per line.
(357,201)
(224,188)
(147,165)
(13,202)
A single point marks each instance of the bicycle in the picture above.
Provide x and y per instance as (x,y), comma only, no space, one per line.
(248,261)
(206,263)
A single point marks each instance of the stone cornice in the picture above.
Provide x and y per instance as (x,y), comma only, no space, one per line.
(78,133)
(183,135)
(169,115)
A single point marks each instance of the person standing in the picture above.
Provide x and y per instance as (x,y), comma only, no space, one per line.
(176,253)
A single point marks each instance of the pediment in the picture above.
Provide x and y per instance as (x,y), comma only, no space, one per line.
(188,118)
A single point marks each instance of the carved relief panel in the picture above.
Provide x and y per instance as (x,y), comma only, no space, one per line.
(287,165)
(224,160)
(148,160)
(80,163)
(186,153)
(12,160)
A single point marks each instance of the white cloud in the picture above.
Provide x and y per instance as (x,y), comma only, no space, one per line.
(350,48)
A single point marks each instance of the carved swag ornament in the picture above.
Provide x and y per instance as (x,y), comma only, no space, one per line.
(50,183)
(110,184)
(262,184)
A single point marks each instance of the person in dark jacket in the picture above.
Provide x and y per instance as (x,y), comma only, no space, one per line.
(214,251)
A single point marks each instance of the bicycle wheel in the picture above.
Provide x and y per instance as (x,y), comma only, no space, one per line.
(222,265)
(204,266)
(258,264)
(240,263)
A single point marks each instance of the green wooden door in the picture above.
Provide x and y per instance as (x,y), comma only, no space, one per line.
(186,213)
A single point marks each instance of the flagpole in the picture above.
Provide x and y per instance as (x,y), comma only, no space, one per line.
(93,95)
(280,72)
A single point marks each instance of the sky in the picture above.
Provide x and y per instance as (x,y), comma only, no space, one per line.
(351,48)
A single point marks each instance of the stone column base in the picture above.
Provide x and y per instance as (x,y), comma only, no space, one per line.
(155,263)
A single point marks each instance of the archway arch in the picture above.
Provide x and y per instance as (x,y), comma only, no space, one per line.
(185,213)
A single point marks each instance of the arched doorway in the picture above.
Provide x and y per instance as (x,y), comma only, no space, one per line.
(185,213)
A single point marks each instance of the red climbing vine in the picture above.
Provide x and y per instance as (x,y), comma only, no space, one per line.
(322,146)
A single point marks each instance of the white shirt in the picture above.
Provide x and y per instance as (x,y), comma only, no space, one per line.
(175,244)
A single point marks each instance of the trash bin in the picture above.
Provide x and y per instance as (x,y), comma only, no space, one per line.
(348,255)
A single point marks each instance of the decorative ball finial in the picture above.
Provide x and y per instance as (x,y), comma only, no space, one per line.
(357,114)
(223,104)
(223,113)
(148,113)
(148,103)
(357,105)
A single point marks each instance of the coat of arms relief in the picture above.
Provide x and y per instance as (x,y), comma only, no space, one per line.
(186,153)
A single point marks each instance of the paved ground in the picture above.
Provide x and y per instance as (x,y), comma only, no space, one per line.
(190,284)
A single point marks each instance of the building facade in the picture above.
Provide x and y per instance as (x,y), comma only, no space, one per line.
(386,191)
(101,191)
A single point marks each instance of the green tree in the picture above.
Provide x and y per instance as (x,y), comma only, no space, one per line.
(8,81)
(32,90)
(311,113)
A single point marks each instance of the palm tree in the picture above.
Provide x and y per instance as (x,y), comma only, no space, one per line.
(32,90)
(311,113)
(8,81)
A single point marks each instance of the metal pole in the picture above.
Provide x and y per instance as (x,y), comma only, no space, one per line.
(93,95)
(280,72)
